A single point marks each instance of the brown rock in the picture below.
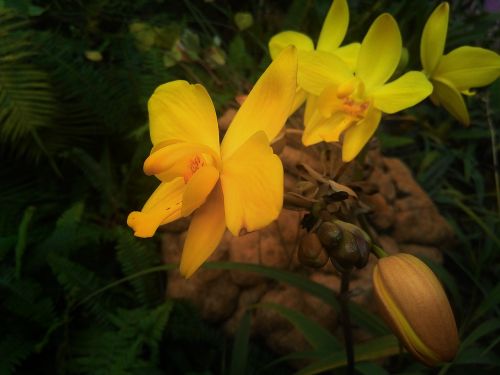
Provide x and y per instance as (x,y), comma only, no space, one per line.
(216,299)
(272,250)
(171,248)
(289,228)
(402,176)
(385,184)
(226,118)
(220,298)
(247,298)
(176,226)
(291,157)
(388,244)
(287,341)
(383,214)
(430,252)
(268,321)
(418,221)
(245,249)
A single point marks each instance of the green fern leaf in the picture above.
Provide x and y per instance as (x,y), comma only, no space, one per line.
(27,103)
(134,257)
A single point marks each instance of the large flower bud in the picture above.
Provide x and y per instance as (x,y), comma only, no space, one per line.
(414,304)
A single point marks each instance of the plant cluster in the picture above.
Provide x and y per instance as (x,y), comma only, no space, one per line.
(81,294)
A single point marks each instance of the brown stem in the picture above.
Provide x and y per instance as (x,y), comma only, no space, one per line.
(346,321)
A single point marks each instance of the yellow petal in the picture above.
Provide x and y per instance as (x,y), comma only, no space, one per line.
(173,160)
(467,67)
(204,234)
(349,54)
(357,136)
(319,69)
(334,27)
(326,129)
(404,92)
(289,38)
(252,181)
(311,106)
(267,106)
(451,99)
(380,52)
(198,188)
(182,112)
(434,38)
(164,206)
(298,100)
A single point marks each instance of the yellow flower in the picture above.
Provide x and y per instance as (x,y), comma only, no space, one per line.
(415,306)
(456,72)
(350,104)
(331,36)
(238,184)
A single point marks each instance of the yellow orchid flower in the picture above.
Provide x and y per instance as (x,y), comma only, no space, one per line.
(350,104)
(331,36)
(458,71)
(237,184)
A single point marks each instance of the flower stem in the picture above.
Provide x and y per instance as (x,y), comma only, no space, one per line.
(378,251)
(346,321)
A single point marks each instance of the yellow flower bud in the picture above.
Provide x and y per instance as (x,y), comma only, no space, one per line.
(414,304)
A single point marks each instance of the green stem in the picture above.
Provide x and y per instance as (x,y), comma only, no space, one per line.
(378,251)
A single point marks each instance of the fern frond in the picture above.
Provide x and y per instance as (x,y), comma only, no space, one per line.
(27,103)
(24,298)
(134,256)
(13,351)
(79,282)
(132,347)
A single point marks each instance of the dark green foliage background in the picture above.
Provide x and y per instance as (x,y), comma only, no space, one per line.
(73,136)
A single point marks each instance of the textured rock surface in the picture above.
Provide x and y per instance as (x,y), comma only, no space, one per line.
(401,214)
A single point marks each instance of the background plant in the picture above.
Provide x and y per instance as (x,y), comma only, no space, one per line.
(74,81)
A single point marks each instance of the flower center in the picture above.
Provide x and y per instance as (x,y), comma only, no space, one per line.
(347,98)
(193,164)
(351,100)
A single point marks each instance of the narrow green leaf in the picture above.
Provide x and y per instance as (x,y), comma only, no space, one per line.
(487,327)
(492,300)
(370,369)
(22,238)
(364,319)
(369,351)
(240,348)
(313,332)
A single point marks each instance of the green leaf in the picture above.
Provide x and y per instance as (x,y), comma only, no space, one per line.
(22,238)
(240,347)
(487,327)
(393,141)
(369,351)
(313,332)
(491,301)
(370,369)
(134,256)
(364,319)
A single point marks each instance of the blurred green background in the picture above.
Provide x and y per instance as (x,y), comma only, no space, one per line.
(75,77)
